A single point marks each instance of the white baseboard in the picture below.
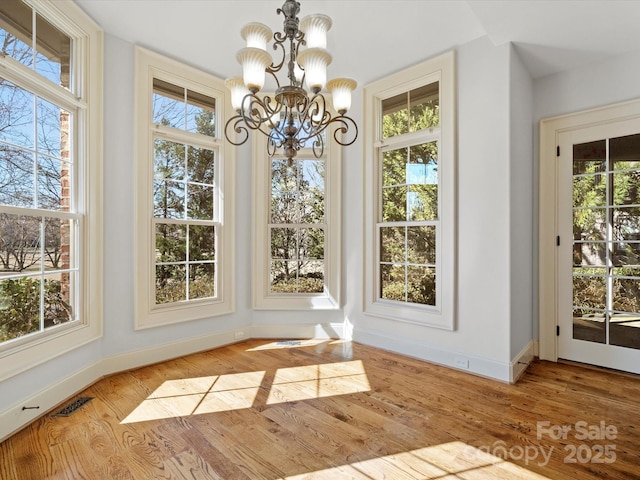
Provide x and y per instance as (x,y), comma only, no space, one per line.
(167,351)
(460,361)
(17,417)
(521,362)
(324,330)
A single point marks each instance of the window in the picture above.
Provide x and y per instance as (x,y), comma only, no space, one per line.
(409,187)
(296,220)
(50,191)
(185,178)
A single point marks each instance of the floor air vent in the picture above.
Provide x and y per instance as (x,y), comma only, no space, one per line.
(72,407)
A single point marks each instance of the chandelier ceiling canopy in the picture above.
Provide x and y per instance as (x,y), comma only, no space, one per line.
(295,117)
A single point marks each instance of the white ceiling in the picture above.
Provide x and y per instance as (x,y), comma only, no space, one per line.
(371,38)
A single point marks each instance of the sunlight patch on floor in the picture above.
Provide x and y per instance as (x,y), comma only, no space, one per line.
(195,396)
(235,391)
(448,461)
(316,381)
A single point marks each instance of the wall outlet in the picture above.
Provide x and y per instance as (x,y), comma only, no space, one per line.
(239,335)
(461,362)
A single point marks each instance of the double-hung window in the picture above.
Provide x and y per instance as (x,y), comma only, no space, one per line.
(184,194)
(409,122)
(297,229)
(50,181)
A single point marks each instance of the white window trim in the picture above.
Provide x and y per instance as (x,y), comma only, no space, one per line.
(262,298)
(88,51)
(150,65)
(442,69)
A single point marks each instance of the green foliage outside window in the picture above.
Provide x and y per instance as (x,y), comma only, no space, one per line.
(409,194)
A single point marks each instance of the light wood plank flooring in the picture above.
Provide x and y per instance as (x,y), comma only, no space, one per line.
(331,410)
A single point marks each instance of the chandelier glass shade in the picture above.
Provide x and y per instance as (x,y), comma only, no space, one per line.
(298,115)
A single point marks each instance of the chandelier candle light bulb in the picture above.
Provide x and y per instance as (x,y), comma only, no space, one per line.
(257,35)
(315,28)
(292,119)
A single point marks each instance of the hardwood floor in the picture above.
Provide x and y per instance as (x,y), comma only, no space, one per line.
(332,410)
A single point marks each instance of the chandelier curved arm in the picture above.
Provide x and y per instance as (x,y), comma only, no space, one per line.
(256,114)
(239,127)
(343,127)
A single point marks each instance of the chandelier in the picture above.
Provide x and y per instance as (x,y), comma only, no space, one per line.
(293,119)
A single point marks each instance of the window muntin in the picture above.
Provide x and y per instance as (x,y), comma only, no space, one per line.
(297,226)
(44,48)
(184,109)
(409,194)
(50,182)
(411,111)
(39,272)
(409,215)
(184,196)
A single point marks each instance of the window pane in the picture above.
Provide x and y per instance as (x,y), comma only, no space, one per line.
(590,190)
(53,184)
(284,275)
(20,243)
(17,119)
(283,243)
(394,167)
(171,285)
(200,113)
(200,165)
(626,187)
(59,236)
(52,122)
(421,245)
(311,191)
(168,160)
(412,111)
(394,204)
(392,244)
(590,157)
(589,291)
(53,48)
(626,254)
(392,282)
(311,277)
(202,240)
(626,295)
(421,285)
(589,224)
(626,223)
(589,253)
(422,202)
(57,299)
(168,104)
(395,116)
(199,202)
(168,199)
(16,177)
(202,280)
(171,242)
(177,107)
(16,35)
(311,243)
(425,108)
(19,307)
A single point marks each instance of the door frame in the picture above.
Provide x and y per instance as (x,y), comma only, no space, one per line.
(550,129)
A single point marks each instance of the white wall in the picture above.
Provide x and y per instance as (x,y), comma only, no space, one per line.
(610,81)
(521,205)
(484,232)
(489,212)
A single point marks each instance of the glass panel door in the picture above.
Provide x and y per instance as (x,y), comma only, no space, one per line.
(606,241)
